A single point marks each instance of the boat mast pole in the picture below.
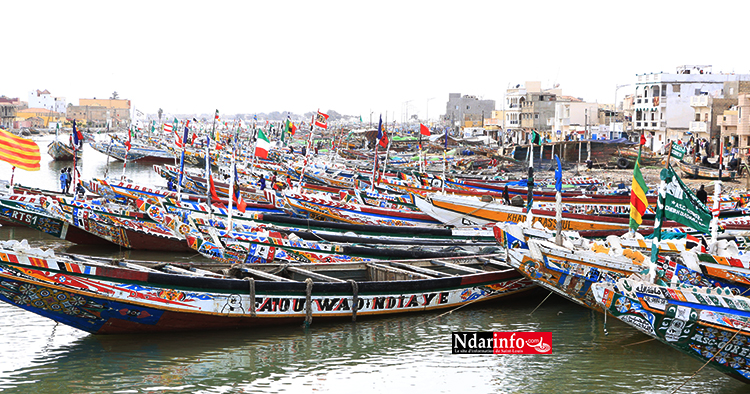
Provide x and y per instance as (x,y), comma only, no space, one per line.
(385,162)
(530,184)
(715,211)
(231,182)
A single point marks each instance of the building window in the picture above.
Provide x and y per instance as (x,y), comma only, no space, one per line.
(664,90)
(676,88)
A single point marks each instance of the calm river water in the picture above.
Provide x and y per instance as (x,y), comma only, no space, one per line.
(404,354)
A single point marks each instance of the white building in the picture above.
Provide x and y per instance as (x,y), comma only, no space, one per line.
(662,101)
(43,99)
(573,117)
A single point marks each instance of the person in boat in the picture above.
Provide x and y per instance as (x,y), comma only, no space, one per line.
(68,179)
(170,185)
(80,191)
(262,182)
(702,195)
(63,180)
(506,195)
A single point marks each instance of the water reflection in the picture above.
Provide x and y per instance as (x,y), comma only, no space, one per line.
(397,354)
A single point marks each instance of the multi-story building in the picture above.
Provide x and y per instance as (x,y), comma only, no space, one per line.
(7,115)
(572,118)
(734,125)
(43,99)
(99,112)
(662,102)
(462,109)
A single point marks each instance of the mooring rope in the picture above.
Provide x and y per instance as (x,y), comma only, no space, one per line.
(540,304)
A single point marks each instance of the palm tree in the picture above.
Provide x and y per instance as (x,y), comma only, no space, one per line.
(115,96)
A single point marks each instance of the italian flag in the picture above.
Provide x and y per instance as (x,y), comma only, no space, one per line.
(262,146)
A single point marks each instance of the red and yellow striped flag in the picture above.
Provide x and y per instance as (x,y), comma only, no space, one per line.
(638,201)
(19,152)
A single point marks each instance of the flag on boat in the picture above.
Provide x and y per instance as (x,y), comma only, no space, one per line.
(167,127)
(262,145)
(77,136)
(321,120)
(424,130)
(382,134)
(289,126)
(536,138)
(19,152)
(638,201)
(677,202)
(128,145)
(216,117)
(558,175)
(178,139)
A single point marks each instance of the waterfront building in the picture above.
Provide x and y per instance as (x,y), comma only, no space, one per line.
(44,99)
(36,117)
(662,101)
(572,118)
(99,112)
(462,110)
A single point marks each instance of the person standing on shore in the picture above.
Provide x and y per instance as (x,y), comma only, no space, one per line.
(702,195)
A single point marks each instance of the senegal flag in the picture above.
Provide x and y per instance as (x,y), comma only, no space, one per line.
(638,201)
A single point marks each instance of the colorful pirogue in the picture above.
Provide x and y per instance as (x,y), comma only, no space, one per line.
(117,297)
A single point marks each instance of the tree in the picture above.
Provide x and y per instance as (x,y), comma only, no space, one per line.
(115,96)
(160,112)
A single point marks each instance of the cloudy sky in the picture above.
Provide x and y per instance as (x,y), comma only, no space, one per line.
(386,57)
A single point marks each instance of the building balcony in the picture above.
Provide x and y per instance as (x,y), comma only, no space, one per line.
(698,127)
(699,101)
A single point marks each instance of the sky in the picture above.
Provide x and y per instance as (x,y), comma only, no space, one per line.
(389,58)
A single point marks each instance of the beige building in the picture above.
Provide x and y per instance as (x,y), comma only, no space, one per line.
(44,114)
(97,112)
(734,124)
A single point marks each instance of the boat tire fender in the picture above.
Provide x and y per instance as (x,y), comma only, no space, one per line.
(622,163)
(435,182)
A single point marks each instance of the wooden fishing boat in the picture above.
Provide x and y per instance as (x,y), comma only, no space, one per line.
(706,323)
(120,297)
(142,153)
(626,157)
(116,224)
(26,210)
(63,152)
(700,172)
(466,211)
(321,206)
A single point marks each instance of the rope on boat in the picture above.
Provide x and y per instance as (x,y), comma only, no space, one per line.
(308,301)
(251,284)
(491,293)
(540,304)
(469,213)
(355,298)
(716,353)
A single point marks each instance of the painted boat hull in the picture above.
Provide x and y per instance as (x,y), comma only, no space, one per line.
(111,300)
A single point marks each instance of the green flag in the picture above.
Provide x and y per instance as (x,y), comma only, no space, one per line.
(678,151)
(536,138)
(678,203)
